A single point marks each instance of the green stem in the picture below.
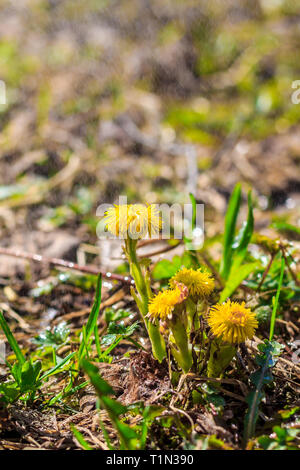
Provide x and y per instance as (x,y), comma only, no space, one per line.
(182,350)
(220,357)
(191,309)
(136,273)
(142,300)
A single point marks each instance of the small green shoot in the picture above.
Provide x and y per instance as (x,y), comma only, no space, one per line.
(276,300)
(11,340)
(266,360)
(92,320)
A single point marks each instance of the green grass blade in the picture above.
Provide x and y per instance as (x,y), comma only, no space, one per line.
(230,225)
(276,300)
(284,227)
(84,343)
(79,437)
(97,342)
(58,366)
(101,386)
(245,235)
(92,320)
(128,436)
(75,389)
(194,210)
(93,317)
(11,339)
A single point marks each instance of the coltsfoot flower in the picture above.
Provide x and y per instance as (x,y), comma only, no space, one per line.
(162,305)
(199,283)
(133,220)
(116,219)
(232,322)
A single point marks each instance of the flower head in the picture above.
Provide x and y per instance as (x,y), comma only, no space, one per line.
(232,322)
(133,220)
(162,305)
(116,219)
(199,283)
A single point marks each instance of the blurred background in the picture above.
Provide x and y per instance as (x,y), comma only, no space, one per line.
(146,98)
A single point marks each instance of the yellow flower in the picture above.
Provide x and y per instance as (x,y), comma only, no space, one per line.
(162,305)
(134,220)
(144,220)
(199,283)
(232,322)
(116,219)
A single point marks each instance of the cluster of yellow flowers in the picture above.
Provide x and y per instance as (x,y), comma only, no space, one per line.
(232,321)
(198,284)
(177,307)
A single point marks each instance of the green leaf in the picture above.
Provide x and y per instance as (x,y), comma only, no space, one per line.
(243,239)
(237,272)
(288,413)
(116,407)
(58,366)
(9,392)
(276,300)
(79,437)
(29,376)
(11,339)
(117,332)
(127,435)
(93,318)
(165,269)
(111,314)
(236,277)
(283,439)
(54,338)
(194,209)
(26,379)
(265,442)
(101,386)
(230,225)
(16,371)
(129,438)
(285,227)
(270,350)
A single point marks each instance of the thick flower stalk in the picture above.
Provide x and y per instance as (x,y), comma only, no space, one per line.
(131,223)
(231,323)
(168,307)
